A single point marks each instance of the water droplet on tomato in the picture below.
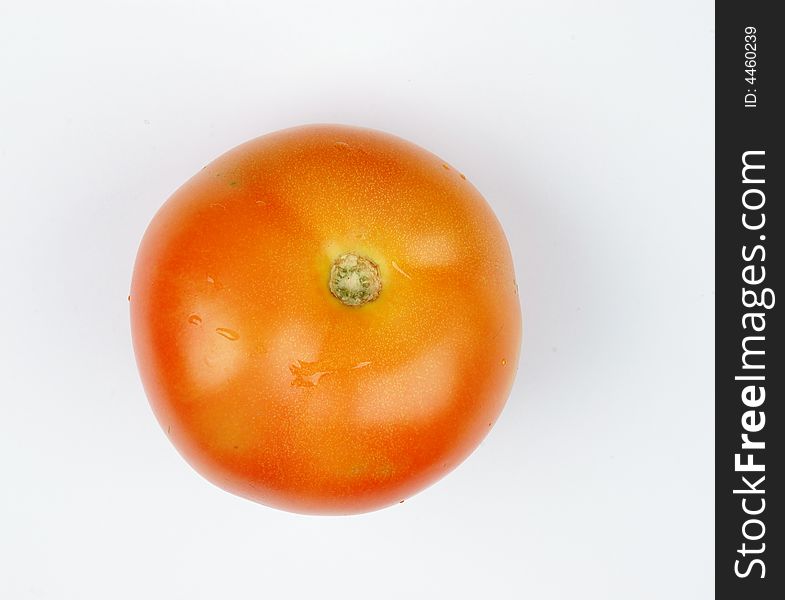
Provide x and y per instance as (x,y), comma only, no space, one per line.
(307,374)
(195,320)
(229,334)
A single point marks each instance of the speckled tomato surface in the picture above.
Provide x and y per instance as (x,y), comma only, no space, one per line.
(326,319)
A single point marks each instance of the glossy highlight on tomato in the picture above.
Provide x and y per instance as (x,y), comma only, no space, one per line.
(326,319)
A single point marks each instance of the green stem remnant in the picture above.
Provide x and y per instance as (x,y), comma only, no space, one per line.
(355,280)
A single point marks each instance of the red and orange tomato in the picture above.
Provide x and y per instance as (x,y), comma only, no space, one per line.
(326,319)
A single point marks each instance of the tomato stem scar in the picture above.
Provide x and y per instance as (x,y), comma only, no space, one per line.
(355,280)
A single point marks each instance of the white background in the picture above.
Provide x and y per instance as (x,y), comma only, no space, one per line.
(587,125)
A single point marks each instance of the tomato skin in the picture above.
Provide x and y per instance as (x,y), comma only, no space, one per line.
(265,382)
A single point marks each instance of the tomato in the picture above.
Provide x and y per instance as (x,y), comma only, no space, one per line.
(326,319)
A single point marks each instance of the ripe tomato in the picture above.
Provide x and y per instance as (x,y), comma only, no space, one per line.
(326,319)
